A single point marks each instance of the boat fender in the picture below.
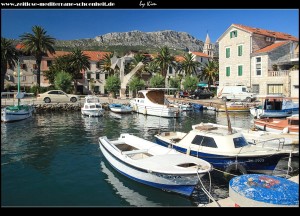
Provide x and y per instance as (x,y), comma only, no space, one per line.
(188,151)
(145,111)
(285,130)
(236,167)
(135,107)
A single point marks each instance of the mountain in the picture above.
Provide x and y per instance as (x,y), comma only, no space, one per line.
(136,40)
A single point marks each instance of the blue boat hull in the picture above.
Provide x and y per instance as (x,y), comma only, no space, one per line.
(257,164)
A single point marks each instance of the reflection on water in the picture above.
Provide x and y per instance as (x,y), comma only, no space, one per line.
(132,197)
(55,158)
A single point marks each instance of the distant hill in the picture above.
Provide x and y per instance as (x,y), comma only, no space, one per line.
(135,40)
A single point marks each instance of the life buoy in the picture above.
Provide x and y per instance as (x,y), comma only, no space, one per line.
(237,168)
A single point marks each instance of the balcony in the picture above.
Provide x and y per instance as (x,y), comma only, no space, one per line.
(280,73)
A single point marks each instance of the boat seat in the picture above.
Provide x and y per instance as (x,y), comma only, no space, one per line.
(117,142)
(135,151)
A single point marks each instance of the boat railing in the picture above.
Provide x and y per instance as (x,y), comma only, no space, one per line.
(281,142)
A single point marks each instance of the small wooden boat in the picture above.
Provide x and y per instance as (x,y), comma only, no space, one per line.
(120,108)
(92,106)
(288,125)
(235,107)
(152,164)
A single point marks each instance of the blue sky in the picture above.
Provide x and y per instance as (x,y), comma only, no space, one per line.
(67,24)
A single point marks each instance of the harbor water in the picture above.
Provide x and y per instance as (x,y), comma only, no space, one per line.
(54,159)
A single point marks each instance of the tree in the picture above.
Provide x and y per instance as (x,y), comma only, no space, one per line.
(38,44)
(105,63)
(151,67)
(63,81)
(113,85)
(157,81)
(164,59)
(78,61)
(9,57)
(61,63)
(210,72)
(175,83)
(189,65)
(136,84)
(190,83)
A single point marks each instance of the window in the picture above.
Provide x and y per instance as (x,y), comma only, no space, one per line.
(239,142)
(204,141)
(106,75)
(227,71)
(49,63)
(240,70)
(34,66)
(227,52)
(240,50)
(258,66)
(170,70)
(97,75)
(23,78)
(34,78)
(88,75)
(233,34)
(255,88)
(275,89)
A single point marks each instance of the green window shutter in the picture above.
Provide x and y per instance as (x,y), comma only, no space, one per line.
(227,71)
(240,50)
(230,34)
(227,52)
(235,33)
(240,70)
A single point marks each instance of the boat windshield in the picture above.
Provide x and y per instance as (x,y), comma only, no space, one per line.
(239,142)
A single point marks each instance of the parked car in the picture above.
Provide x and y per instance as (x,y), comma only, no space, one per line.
(57,96)
(201,94)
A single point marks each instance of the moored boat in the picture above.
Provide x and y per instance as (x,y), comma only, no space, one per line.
(224,150)
(120,108)
(152,164)
(287,125)
(235,107)
(92,106)
(153,102)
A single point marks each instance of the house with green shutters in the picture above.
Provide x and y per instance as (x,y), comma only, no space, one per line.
(265,61)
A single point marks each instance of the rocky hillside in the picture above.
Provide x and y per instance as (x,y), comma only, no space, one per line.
(137,39)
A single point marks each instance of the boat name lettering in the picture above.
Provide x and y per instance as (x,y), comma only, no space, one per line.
(259,160)
(168,176)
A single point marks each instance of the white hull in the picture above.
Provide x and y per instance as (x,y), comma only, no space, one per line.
(10,116)
(92,113)
(121,110)
(158,110)
(160,169)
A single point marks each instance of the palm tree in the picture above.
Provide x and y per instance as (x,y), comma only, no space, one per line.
(189,65)
(137,58)
(9,56)
(164,60)
(105,63)
(210,72)
(38,44)
(78,61)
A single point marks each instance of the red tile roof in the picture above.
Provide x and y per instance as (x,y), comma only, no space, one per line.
(20,46)
(179,58)
(271,47)
(269,33)
(57,54)
(95,55)
(200,54)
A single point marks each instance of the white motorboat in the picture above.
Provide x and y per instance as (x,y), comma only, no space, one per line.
(153,102)
(92,106)
(152,164)
(224,150)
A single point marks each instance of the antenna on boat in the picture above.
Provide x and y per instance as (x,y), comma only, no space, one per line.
(228,120)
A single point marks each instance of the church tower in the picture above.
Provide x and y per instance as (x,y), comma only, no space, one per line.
(208,47)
